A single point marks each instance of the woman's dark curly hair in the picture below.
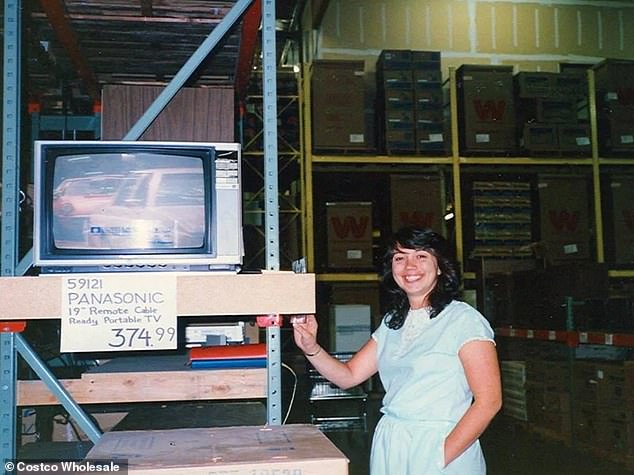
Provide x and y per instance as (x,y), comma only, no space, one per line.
(448,284)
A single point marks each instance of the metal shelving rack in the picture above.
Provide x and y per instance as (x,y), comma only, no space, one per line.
(570,338)
(456,162)
(10,341)
(290,155)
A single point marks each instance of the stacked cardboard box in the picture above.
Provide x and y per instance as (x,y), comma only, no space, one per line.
(536,298)
(410,102)
(549,105)
(350,327)
(614,84)
(603,410)
(486,109)
(564,203)
(548,398)
(622,209)
(357,293)
(349,234)
(338,105)
(417,200)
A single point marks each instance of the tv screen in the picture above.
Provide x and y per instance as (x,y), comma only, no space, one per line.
(136,205)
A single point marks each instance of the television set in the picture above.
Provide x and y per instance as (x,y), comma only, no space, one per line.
(107,206)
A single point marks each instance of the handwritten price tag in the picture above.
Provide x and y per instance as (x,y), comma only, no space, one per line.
(118,312)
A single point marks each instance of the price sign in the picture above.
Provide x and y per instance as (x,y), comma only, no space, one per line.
(118,312)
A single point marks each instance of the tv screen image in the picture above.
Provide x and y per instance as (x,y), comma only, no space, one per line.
(103,206)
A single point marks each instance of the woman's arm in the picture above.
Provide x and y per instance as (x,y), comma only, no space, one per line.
(344,374)
(480,362)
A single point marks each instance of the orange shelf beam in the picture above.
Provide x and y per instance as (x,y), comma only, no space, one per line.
(571,338)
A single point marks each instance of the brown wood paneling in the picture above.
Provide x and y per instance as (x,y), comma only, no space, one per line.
(194,114)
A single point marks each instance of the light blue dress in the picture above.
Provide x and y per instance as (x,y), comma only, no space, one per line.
(426,392)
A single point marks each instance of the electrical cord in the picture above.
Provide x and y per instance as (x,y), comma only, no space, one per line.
(291,402)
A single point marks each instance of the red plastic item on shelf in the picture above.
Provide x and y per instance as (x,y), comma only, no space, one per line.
(228,352)
(271,320)
(12,327)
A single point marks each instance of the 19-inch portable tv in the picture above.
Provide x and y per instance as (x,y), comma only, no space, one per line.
(104,206)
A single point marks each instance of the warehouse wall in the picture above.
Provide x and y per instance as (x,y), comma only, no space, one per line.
(531,35)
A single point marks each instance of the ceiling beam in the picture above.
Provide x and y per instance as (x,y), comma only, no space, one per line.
(54,10)
(248,42)
(137,19)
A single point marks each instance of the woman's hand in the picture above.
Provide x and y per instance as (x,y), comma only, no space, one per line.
(305,334)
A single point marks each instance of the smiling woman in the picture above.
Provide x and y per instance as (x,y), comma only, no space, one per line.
(415,271)
(436,358)
(434,266)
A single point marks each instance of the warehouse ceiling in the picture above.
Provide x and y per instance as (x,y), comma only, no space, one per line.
(77,46)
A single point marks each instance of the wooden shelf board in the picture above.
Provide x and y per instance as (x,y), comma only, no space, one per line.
(149,379)
(198,294)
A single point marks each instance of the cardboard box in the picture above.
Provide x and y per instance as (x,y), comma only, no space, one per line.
(615,105)
(486,108)
(613,81)
(540,138)
(338,105)
(224,450)
(622,190)
(553,111)
(350,327)
(425,59)
(394,59)
(400,141)
(571,85)
(589,428)
(564,204)
(534,84)
(397,99)
(417,200)
(428,97)
(432,138)
(349,233)
(574,138)
(491,138)
(426,77)
(395,79)
(399,120)
(364,293)
(615,134)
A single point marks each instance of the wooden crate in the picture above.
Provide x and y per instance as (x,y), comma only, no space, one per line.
(243,450)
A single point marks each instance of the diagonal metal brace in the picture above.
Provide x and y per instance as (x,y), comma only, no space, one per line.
(44,373)
(187,70)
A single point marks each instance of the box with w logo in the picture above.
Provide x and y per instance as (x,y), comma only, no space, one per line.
(417,200)
(564,204)
(486,108)
(349,233)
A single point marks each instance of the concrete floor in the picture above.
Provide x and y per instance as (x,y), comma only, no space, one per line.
(509,448)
